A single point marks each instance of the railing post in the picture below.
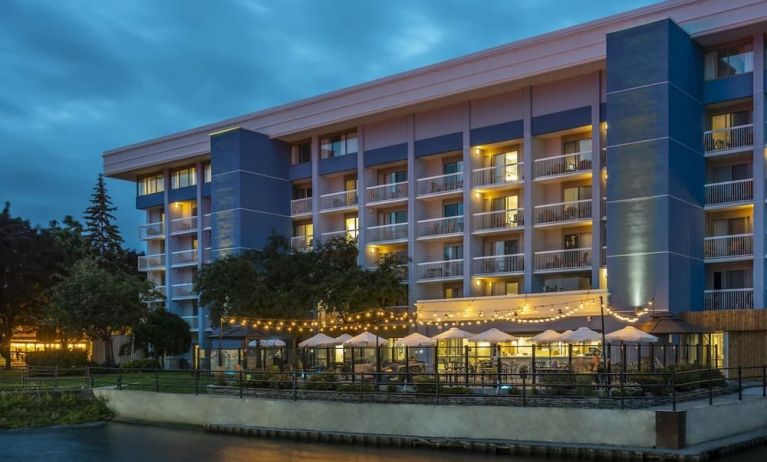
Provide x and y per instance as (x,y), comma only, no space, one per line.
(764,381)
(242,383)
(673,389)
(740,383)
(119,379)
(362,385)
(710,387)
(524,390)
(622,379)
(157,380)
(295,384)
(196,382)
(436,385)
(55,376)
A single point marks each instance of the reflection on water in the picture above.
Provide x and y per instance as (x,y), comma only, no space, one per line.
(134,443)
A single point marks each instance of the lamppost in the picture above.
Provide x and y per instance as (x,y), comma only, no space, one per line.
(224,309)
(604,339)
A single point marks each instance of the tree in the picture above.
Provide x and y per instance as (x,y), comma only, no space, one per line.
(103,236)
(162,334)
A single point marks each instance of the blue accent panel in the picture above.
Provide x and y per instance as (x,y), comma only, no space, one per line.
(301,171)
(206,187)
(338,164)
(729,88)
(638,56)
(603,112)
(562,120)
(498,132)
(256,153)
(150,200)
(439,144)
(385,155)
(183,194)
(252,191)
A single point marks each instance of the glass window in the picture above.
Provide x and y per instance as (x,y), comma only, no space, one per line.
(576,193)
(301,153)
(728,60)
(183,177)
(207,171)
(338,145)
(151,184)
(454,209)
(454,166)
(453,252)
(392,217)
(302,191)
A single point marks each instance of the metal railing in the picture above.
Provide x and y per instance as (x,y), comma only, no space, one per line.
(728,299)
(387,192)
(552,260)
(193,321)
(444,269)
(495,264)
(563,212)
(302,243)
(735,245)
(151,262)
(498,174)
(152,230)
(183,225)
(730,192)
(499,219)
(207,221)
(186,290)
(338,200)
(440,226)
(563,164)
(348,234)
(439,184)
(301,206)
(207,255)
(386,233)
(727,139)
(184,258)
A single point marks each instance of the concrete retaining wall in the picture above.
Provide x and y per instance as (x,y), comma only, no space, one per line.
(725,419)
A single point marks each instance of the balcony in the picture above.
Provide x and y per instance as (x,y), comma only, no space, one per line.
(393,233)
(302,243)
(440,227)
(206,221)
(183,291)
(387,193)
(301,207)
(500,264)
(563,212)
(732,247)
(151,262)
(183,225)
(497,176)
(440,185)
(563,260)
(726,140)
(498,221)
(575,164)
(207,255)
(150,231)
(193,322)
(728,299)
(444,270)
(729,192)
(342,200)
(348,234)
(184,258)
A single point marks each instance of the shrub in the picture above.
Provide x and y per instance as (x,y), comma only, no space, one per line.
(657,385)
(38,410)
(455,390)
(428,385)
(268,379)
(63,359)
(141,364)
(628,389)
(693,376)
(391,388)
(356,387)
(321,382)
(558,384)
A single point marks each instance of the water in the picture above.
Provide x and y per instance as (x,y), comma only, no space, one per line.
(117,442)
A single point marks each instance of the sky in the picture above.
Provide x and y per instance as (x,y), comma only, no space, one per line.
(79,77)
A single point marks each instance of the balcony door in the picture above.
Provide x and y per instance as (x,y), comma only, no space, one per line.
(392,217)
(732,226)
(453,252)
(506,247)
(506,166)
(452,166)
(573,241)
(576,193)
(732,279)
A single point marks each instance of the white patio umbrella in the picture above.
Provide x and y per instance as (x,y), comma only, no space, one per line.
(630,334)
(453,333)
(342,338)
(582,334)
(414,340)
(318,340)
(366,339)
(270,342)
(564,335)
(492,336)
(547,336)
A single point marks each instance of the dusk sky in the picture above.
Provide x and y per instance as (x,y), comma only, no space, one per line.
(80,77)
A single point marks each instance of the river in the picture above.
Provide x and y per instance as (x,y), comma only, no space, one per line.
(116,442)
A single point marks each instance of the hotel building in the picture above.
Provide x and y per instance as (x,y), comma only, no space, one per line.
(622,158)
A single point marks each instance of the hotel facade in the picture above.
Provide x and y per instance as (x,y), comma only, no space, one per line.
(623,158)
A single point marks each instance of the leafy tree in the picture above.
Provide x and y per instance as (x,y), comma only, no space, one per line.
(162,334)
(103,235)
(69,238)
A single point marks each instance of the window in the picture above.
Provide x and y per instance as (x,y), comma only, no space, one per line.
(728,60)
(452,291)
(453,166)
(453,252)
(730,119)
(392,217)
(731,226)
(507,166)
(183,177)
(397,176)
(207,172)
(577,146)
(338,145)
(453,209)
(301,153)
(576,193)
(302,191)
(507,247)
(502,288)
(576,241)
(731,173)
(303,229)
(733,279)
(151,184)
(351,226)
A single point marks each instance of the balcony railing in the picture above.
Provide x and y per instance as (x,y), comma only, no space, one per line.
(553,260)
(151,262)
(563,212)
(728,139)
(445,269)
(193,322)
(152,230)
(301,206)
(495,264)
(338,200)
(736,245)
(186,290)
(206,221)
(439,184)
(184,258)
(183,225)
(562,165)
(728,299)
(497,174)
(499,219)
(440,226)
(387,192)
(730,192)
(207,255)
(302,243)
(386,233)
(348,234)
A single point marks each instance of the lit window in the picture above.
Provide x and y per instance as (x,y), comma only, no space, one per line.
(338,145)
(728,60)
(183,177)
(301,153)
(150,185)
(207,171)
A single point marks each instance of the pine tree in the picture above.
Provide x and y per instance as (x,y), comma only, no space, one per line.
(103,235)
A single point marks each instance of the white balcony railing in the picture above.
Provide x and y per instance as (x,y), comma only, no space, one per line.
(439,184)
(301,206)
(497,175)
(206,221)
(445,269)
(193,322)
(387,192)
(730,192)
(554,260)
(348,234)
(207,255)
(728,299)
(563,212)
(386,233)
(185,290)
(495,264)
(183,225)
(184,258)
(564,164)
(152,231)
(499,219)
(440,226)
(151,262)
(302,243)
(736,245)
(727,139)
(338,200)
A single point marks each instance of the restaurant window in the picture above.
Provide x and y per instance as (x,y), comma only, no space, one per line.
(301,153)
(151,185)
(728,60)
(183,177)
(207,172)
(338,145)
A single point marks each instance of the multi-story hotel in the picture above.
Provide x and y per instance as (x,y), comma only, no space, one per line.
(621,158)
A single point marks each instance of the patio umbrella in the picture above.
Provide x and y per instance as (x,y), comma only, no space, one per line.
(365,339)
(342,338)
(582,334)
(564,335)
(453,333)
(630,334)
(317,341)
(414,340)
(547,336)
(492,336)
(270,342)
